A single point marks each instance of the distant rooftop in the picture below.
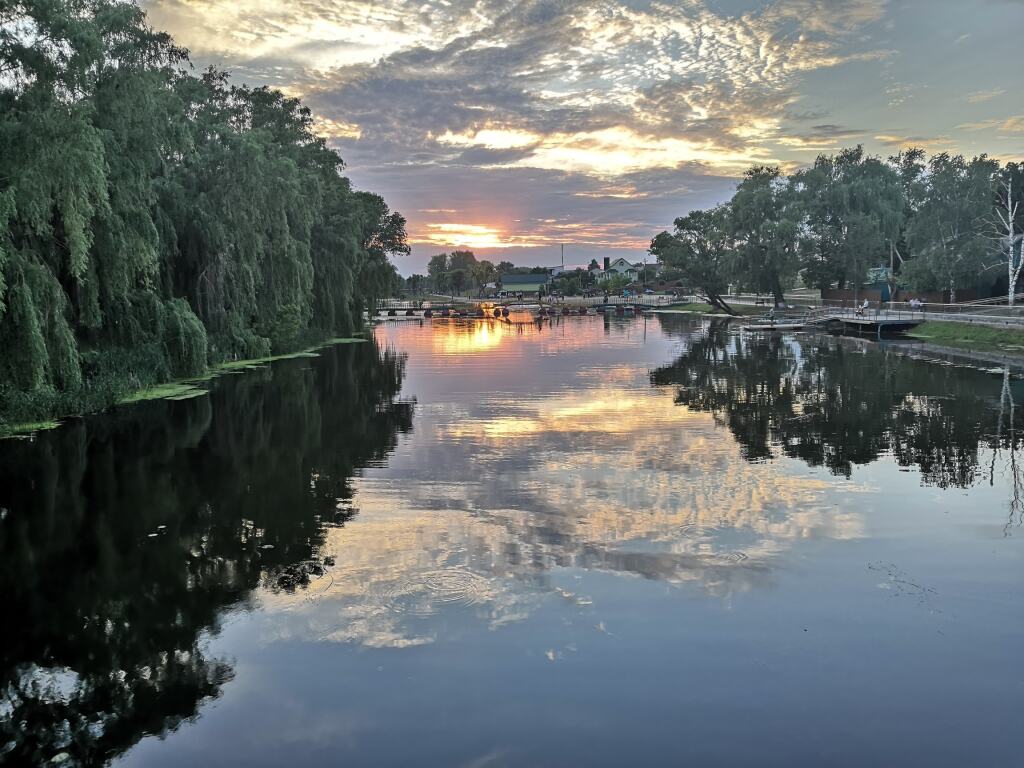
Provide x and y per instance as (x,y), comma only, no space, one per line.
(528,279)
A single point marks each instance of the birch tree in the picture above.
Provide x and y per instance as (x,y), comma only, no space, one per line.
(1009,234)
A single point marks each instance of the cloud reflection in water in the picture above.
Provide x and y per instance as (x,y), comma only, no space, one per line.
(495,498)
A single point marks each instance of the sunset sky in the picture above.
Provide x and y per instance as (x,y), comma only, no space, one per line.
(510,128)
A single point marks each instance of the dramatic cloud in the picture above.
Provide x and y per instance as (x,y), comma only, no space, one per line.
(582,121)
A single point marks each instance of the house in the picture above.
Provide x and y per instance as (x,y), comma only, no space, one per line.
(567,269)
(529,283)
(622,267)
(631,270)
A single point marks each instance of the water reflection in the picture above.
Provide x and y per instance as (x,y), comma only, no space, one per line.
(497,493)
(836,403)
(124,537)
(573,479)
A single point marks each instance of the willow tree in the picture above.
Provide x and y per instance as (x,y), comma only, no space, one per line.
(947,237)
(702,249)
(152,221)
(383,236)
(53,176)
(764,216)
(853,208)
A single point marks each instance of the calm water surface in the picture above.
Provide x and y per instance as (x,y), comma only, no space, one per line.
(586,542)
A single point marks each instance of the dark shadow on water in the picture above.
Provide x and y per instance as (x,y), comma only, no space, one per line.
(125,537)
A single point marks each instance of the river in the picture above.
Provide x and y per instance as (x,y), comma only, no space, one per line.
(584,541)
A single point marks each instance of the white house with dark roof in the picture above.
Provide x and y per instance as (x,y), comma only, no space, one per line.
(622,267)
(630,269)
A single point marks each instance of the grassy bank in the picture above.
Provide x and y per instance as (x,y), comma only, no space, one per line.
(970,336)
(744,310)
(181,389)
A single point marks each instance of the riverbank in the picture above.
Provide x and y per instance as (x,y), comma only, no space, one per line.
(970,337)
(179,389)
(701,308)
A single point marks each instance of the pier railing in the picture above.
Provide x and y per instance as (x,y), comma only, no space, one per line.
(988,312)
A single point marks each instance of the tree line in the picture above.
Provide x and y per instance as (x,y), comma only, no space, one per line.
(461,271)
(940,223)
(154,221)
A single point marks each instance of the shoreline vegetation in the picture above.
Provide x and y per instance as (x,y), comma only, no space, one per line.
(159,223)
(178,389)
(970,337)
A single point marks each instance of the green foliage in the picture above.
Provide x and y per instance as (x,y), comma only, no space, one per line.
(184,339)
(153,222)
(764,215)
(701,251)
(853,208)
(572,283)
(458,270)
(947,233)
(930,224)
(613,283)
(483,272)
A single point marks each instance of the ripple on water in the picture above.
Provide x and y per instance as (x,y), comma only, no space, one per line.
(733,557)
(697,530)
(423,593)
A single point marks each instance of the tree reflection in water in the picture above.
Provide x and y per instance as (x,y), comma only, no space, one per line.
(837,403)
(124,538)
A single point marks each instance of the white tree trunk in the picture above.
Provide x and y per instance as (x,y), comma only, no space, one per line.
(1013,265)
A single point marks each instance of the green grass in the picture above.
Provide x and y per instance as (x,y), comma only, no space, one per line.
(23,430)
(970,336)
(744,310)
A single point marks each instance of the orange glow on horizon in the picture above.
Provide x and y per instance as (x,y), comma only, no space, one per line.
(543,234)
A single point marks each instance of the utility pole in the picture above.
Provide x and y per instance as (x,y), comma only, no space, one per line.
(563,257)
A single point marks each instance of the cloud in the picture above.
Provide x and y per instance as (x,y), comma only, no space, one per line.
(614,117)
(931,143)
(1014,124)
(600,88)
(823,137)
(987,95)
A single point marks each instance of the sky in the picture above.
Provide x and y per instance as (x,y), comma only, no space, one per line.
(513,128)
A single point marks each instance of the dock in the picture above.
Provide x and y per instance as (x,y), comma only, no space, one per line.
(876,322)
